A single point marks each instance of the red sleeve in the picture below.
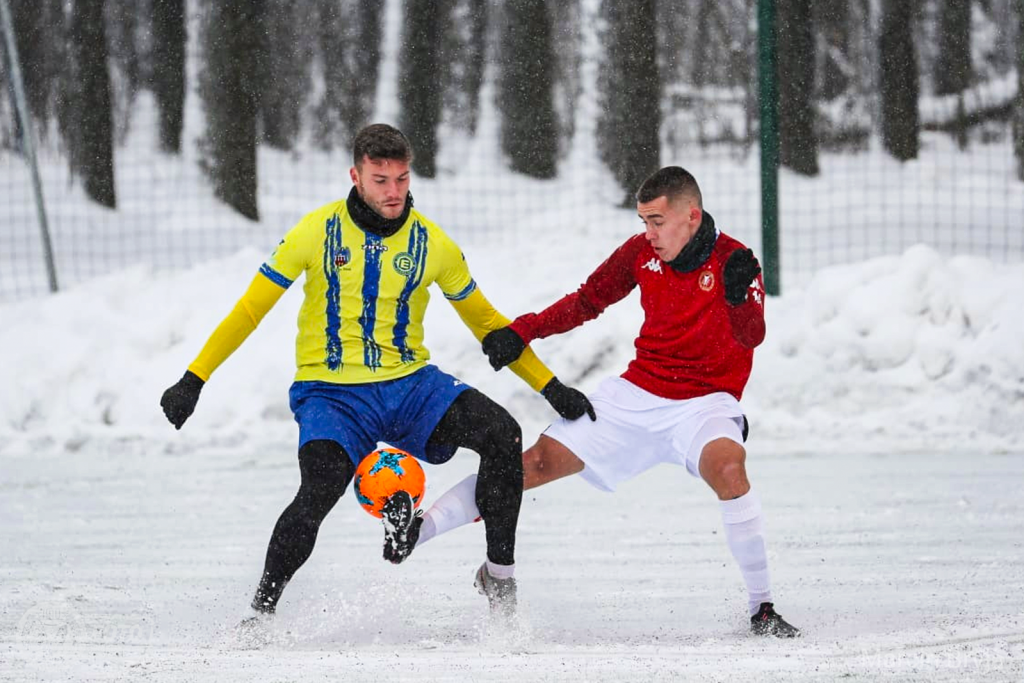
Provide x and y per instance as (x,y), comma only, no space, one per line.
(747,319)
(611,282)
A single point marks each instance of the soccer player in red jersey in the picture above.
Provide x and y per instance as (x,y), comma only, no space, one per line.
(678,401)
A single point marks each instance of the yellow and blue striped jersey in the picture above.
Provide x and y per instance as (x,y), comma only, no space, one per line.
(365,297)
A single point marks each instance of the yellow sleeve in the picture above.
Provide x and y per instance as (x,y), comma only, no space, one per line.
(481,317)
(239,323)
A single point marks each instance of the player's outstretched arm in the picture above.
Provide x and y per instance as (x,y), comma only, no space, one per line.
(179,401)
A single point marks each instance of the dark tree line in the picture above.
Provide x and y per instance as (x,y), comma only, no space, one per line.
(275,71)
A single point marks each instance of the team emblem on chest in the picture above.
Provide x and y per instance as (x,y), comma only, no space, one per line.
(403,263)
(342,257)
(706,281)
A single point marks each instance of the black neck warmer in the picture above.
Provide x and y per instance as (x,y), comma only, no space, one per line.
(698,249)
(371,221)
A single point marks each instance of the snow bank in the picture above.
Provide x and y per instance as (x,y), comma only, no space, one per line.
(893,354)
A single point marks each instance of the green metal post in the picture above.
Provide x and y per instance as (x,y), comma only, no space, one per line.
(25,121)
(769,145)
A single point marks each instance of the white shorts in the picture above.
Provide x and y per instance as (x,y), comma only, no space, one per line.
(635,430)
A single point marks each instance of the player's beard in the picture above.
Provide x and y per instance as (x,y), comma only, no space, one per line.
(379,208)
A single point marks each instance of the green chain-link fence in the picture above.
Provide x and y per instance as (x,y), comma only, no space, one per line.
(961,193)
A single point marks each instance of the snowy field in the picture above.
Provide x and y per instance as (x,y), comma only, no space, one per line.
(886,409)
(135,566)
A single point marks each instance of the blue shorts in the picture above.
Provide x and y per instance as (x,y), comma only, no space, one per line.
(402,412)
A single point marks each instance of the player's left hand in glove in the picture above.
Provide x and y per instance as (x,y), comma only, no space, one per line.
(570,403)
(180,400)
(740,270)
(503,346)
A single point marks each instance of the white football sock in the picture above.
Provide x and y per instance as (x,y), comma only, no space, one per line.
(455,507)
(744,532)
(501,571)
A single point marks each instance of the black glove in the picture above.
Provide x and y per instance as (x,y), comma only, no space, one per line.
(568,402)
(179,401)
(740,270)
(503,346)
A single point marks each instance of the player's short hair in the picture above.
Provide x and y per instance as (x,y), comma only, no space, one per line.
(381,141)
(671,182)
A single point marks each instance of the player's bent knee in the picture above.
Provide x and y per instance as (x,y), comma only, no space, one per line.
(325,467)
(723,466)
(533,463)
(548,460)
(507,430)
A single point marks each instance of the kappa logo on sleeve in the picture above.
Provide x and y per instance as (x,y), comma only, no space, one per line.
(654,265)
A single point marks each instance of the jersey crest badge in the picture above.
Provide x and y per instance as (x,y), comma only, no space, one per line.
(343,257)
(404,263)
(654,265)
(706,281)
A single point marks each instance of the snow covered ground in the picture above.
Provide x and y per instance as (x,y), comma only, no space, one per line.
(134,565)
(887,442)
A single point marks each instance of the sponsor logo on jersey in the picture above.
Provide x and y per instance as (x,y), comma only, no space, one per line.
(706,280)
(343,257)
(654,265)
(370,246)
(404,263)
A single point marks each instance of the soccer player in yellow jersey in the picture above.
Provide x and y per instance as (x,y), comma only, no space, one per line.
(363,373)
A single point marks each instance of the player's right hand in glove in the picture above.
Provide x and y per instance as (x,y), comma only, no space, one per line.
(503,346)
(180,400)
(740,270)
(570,403)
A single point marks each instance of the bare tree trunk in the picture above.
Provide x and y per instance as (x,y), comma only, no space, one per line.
(629,127)
(953,66)
(529,128)
(798,145)
(1018,114)
(419,91)
(230,87)
(287,63)
(93,147)
(169,38)
(898,80)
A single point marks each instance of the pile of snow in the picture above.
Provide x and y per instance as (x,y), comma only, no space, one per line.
(894,354)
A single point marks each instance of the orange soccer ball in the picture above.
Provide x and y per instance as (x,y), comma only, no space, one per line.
(382,473)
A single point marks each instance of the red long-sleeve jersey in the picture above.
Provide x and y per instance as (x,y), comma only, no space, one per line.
(692,342)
